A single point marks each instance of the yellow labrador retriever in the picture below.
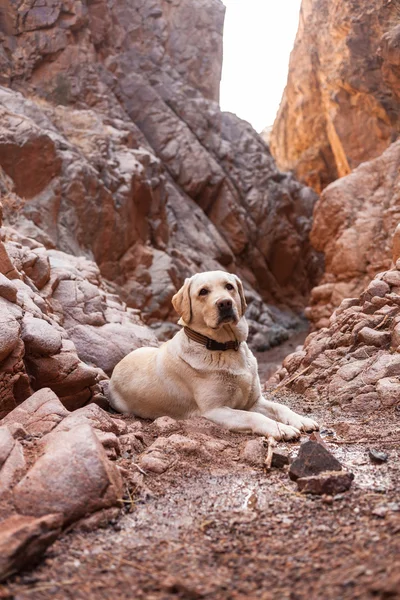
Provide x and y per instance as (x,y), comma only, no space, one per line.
(206,369)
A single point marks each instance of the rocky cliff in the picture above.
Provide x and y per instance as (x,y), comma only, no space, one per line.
(342,99)
(112,146)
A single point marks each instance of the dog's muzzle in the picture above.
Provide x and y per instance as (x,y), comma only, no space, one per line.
(226,311)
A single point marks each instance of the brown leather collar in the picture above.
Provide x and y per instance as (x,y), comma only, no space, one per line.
(209,343)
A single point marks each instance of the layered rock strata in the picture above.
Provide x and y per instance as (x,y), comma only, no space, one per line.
(132,164)
(342,99)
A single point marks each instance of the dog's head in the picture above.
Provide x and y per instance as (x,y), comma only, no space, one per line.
(212,299)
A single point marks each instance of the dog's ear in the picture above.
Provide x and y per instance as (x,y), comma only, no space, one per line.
(243,302)
(182,302)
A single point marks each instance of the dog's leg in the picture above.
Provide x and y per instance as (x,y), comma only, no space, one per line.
(283,414)
(242,420)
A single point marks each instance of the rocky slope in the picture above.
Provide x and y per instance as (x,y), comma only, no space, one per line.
(342,100)
(113,141)
(353,364)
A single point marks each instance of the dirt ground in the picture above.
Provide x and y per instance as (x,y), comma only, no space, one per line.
(213,527)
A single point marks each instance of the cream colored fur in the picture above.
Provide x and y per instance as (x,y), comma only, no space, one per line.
(183,379)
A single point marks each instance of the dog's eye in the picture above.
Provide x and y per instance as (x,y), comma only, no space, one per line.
(229,287)
(203,292)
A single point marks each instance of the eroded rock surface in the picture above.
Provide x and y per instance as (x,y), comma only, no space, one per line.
(61,328)
(342,99)
(24,539)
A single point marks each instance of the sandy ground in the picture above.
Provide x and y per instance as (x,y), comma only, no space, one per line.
(214,527)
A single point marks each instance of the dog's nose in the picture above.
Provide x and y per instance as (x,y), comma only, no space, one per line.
(224,304)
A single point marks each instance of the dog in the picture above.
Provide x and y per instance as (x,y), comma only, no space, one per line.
(206,369)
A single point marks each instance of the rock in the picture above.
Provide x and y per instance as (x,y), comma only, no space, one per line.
(326,482)
(279,461)
(179,443)
(377,456)
(372,337)
(155,462)
(91,415)
(18,431)
(254,453)
(332,116)
(39,414)
(8,291)
(312,459)
(9,333)
(166,424)
(12,460)
(383,509)
(388,390)
(23,540)
(352,364)
(72,477)
(40,337)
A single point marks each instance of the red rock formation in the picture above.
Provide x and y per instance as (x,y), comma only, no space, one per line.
(342,99)
(61,327)
(138,167)
(354,222)
(354,363)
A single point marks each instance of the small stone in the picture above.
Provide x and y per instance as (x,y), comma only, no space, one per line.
(329,483)
(155,462)
(166,424)
(279,460)
(377,456)
(254,453)
(313,459)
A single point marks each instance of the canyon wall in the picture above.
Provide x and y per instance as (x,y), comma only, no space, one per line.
(114,147)
(354,222)
(341,104)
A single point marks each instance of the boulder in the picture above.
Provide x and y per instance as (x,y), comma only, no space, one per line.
(73,477)
(39,414)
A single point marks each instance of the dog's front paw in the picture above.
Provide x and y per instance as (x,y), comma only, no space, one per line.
(285,432)
(300,422)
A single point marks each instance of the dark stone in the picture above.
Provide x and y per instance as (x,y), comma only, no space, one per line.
(378,457)
(313,459)
(279,460)
(329,483)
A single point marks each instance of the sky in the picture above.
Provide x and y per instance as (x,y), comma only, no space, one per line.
(258,39)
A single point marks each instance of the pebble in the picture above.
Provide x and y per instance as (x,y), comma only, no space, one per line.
(377,456)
